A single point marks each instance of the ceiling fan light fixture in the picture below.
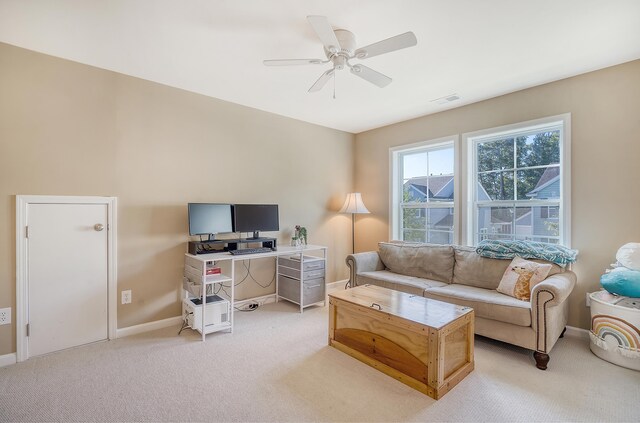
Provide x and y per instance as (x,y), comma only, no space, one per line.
(340,47)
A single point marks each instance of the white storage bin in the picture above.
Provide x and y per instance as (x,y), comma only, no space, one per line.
(615,329)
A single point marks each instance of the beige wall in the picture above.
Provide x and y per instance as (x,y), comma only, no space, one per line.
(605,125)
(71,129)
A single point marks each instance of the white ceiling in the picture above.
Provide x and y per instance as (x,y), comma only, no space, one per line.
(477,49)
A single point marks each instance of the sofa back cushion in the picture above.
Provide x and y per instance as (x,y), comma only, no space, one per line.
(474,270)
(428,261)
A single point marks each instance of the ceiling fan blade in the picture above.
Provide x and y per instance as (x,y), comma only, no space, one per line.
(320,25)
(408,39)
(324,78)
(290,62)
(368,74)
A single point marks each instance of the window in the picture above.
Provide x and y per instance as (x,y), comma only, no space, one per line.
(423,192)
(518,182)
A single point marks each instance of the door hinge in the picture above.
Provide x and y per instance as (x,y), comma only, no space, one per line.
(28,329)
(26,232)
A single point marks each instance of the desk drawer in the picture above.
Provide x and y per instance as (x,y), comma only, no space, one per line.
(313,290)
(310,263)
(295,273)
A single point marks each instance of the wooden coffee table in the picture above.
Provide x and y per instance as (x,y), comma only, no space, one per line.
(424,343)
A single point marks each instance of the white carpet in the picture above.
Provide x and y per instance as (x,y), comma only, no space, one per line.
(276,366)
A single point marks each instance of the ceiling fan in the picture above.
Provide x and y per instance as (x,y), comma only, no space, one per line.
(340,49)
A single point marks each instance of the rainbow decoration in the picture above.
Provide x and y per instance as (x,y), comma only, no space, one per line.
(626,335)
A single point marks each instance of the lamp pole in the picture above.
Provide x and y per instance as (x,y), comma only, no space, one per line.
(353,233)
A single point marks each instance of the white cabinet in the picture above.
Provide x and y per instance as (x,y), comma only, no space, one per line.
(208,280)
(301,279)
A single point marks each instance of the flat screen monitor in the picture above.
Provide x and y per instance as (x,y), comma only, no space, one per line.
(255,218)
(209,219)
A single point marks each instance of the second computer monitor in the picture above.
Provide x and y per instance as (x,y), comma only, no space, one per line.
(255,218)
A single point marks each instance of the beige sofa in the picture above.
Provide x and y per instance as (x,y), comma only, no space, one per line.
(459,275)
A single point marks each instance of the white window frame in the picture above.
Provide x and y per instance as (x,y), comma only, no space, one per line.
(396,179)
(471,140)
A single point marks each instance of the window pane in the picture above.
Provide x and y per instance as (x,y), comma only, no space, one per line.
(414,190)
(414,164)
(414,219)
(539,184)
(441,162)
(496,185)
(436,237)
(440,188)
(495,155)
(544,223)
(524,217)
(440,218)
(529,183)
(414,236)
(495,222)
(539,150)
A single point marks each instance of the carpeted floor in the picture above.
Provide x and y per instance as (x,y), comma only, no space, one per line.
(276,366)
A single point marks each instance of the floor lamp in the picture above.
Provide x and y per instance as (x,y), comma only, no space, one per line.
(354,205)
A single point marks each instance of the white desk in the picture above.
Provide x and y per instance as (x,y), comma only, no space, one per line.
(196,265)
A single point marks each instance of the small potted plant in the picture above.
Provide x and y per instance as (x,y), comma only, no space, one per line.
(300,236)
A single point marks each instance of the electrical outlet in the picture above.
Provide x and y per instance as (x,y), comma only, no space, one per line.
(126,297)
(5,316)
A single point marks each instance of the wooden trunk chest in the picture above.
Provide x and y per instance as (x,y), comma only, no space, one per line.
(424,343)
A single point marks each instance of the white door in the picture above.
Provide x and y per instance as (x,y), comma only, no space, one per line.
(67,276)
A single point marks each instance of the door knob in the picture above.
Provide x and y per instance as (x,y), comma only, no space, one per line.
(98,227)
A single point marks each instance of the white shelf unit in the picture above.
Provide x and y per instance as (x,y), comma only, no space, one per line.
(196,279)
(301,277)
(195,283)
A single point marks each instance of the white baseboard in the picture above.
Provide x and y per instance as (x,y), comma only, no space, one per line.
(146,327)
(7,359)
(265,299)
(577,332)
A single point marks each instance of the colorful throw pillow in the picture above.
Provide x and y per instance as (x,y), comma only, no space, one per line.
(622,281)
(521,276)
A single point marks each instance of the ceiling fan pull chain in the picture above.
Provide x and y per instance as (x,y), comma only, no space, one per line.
(334,85)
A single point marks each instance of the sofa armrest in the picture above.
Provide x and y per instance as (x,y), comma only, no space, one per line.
(558,287)
(363,262)
(550,308)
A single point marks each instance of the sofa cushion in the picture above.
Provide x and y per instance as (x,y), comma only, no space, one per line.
(486,303)
(521,276)
(474,270)
(428,261)
(387,279)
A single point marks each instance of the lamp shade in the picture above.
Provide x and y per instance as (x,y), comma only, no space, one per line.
(354,204)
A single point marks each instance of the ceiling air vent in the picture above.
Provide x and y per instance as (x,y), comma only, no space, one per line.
(446,99)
